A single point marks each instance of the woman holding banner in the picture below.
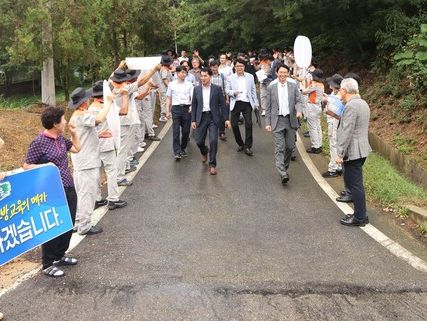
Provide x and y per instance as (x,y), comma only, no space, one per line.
(50,146)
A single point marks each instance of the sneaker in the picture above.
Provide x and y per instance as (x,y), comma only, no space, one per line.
(117,204)
(130,169)
(134,162)
(263,113)
(306,134)
(177,157)
(100,203)
(329,174)
(163,119)
(143,144)
(154,138)
(154,126)
(124,182)
(92,231)
(140,149)
(183,153)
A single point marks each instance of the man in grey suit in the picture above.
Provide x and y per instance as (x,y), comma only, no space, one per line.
(353,148)
(207,113)
(283,105)
(243,99)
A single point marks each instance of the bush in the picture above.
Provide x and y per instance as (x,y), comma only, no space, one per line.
(412,60)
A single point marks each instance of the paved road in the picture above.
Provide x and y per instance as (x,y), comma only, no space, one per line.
(237,246)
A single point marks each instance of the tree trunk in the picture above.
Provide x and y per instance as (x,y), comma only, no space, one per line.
(48,74)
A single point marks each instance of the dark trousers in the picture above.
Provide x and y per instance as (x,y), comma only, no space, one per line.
(206,124)
(221,127)
(55,249)
(181,124)
(353,178)
(246,110)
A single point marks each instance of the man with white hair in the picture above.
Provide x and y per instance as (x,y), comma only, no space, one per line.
(353,148)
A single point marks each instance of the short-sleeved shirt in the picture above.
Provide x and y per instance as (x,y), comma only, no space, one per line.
(105,144)
(47,149)
(125,120)
(180,92)
(88,157)
(164,74)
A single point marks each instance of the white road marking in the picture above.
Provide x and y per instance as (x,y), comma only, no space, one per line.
(369,229)
(99,213)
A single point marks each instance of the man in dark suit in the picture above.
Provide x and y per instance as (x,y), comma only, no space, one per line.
(207,113)
(283,107)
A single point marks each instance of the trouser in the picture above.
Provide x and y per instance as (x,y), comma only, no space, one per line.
(181,124)
(87,184)
(55,249)
(246,109)
(314,126)
(332,135)
(135,139)
(147,115)
(262,95)
(108,159)
(284,144)
(207,123)
(162,102)
(125,145)
(221,127)
(353,178)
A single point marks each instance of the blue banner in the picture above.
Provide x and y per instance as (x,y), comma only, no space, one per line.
(33,210)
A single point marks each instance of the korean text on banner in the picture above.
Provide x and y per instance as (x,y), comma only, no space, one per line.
(33,210)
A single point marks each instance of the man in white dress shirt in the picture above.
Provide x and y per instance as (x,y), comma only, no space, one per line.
(243,99)
(179,96)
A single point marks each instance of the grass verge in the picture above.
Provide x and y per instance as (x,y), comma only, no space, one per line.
(23,101)
(386,186)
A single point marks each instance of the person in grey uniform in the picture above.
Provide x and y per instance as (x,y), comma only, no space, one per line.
(107,152)
(87,162)
(122,92)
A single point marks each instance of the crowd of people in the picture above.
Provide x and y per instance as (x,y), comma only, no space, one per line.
(203,96)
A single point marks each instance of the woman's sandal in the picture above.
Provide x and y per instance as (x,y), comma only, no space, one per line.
(53,272)
(65,260)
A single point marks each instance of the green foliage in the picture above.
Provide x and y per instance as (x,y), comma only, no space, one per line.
(85,36)
(404,145)
(411,61)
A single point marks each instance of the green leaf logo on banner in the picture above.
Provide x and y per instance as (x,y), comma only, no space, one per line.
(5,190)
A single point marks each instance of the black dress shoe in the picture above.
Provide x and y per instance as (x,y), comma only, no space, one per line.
(285,178)
(313,150)
(223,137)
(306,134)
(351,220)
(240,148)
(293,158)
(248,152)
(329,174)
(345,199)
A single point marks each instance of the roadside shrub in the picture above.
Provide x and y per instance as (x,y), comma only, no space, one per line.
(412,60)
